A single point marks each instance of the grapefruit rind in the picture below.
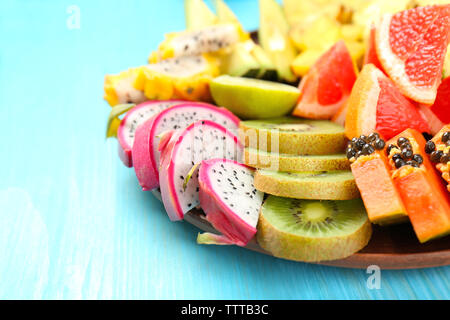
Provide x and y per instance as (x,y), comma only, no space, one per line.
(395,67)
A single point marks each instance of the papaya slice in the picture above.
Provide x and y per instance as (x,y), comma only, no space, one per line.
(381,199)
(442,143)
(421,189)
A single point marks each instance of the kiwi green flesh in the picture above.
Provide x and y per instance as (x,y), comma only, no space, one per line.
(293,136)
(315,219)
(323,185)
(291,162)
(295,125)
(312,176)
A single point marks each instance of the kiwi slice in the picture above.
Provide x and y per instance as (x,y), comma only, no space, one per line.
(319,185)
(293,136)
(290,162)
(311,230)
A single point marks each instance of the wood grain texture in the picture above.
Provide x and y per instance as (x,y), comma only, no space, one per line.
(73,222)
(394,247)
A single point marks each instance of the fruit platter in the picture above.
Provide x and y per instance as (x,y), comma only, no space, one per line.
(322,137)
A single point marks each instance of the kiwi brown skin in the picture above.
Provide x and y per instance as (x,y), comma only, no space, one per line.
(286,246)
(293,142)
(281,233)
(289,163)
(298,189)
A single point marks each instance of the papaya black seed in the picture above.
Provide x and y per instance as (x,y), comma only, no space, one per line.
(390,147)
(412,163)
(401,141)
(367,149)
(379,144)
(445,158)
(430,146)
(418,158)
(407,153)
(445,136)
(359,144)
(363,138)
(436,155)
(350,153)
(397,156)
(373,137)
(399,163)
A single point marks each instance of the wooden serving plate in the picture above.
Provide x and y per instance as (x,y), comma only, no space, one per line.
(393,247)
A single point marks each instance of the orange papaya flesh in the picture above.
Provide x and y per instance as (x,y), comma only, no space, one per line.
(381,199)
(443,168)
(428,212)
(422,191)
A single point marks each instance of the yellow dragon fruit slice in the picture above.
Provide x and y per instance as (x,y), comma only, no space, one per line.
(184,78)
(213,38)
(119,88)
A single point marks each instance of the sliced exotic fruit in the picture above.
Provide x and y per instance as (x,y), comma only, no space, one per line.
(292,135)
(254,98)
(327,85)
(441,106)
(146,154)
(340,115)
(198,15)
(189,43)
(184,78)
(434,123)
(411,46)
(313,230)
(438,150)
(423,193)
(376,104)
(132,120)
(372,175)
(230,201)
(273,35)
(200,141)
(370,55)
(294,163)
(319,185)
(119,89)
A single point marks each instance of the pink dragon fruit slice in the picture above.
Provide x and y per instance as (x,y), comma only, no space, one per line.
(146,156)
(200,141)
(132,120)
(230,201)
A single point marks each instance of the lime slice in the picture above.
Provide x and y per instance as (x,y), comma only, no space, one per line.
(254,98)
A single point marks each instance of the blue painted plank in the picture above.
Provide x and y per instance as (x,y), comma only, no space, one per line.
(73,222)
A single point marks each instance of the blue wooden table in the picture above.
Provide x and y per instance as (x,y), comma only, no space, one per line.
(73,221)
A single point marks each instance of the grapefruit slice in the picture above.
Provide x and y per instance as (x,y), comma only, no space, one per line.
(376,104)
(439,113)
(411,46)
(371,53)
(327,85)
(441,106)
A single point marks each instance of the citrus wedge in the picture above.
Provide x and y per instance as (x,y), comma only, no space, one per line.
(327,85)
(411,46)
(376,104)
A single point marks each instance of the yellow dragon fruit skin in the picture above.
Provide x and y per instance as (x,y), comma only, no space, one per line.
(163,86)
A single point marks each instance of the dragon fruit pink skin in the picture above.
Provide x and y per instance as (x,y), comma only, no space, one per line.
(232,204)
(132,120)
(146,155)
(200,141)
